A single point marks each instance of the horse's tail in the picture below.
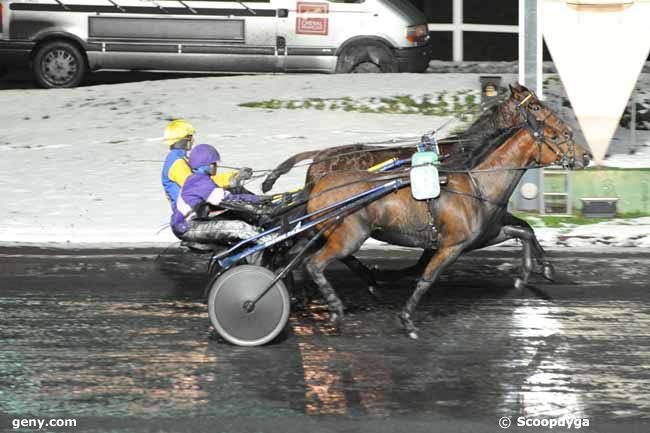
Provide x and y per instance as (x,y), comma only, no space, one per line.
(285,167)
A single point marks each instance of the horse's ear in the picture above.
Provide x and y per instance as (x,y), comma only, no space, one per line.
(512,90)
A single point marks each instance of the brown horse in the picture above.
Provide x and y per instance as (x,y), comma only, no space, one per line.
(361,157)
(467,215)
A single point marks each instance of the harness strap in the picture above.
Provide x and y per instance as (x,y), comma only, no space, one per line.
(475,185)
(485,199)
(433,238)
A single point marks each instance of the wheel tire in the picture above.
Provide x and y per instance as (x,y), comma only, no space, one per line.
(549,272)
(228,294)
(366,68)
(59,64)
(367,58)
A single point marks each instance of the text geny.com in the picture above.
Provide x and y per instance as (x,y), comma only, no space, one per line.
(42,423)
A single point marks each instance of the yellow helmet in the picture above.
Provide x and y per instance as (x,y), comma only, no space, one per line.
(178,130)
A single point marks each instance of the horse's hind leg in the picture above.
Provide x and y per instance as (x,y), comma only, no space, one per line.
(342,241)
(398,274)
(359,268)
(370,276)
(443,257)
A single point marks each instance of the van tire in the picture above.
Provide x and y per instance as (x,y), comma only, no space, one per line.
(367,58)
(59,64)
(366,68)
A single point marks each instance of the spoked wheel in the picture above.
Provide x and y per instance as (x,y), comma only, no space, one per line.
(233,312)
(59,64)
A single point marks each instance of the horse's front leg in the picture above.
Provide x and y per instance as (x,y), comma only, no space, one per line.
(533,253)
(443,257)
(540,264)
(526,235)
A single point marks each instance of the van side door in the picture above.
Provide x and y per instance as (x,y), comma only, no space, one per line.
(206,36)
(315,29)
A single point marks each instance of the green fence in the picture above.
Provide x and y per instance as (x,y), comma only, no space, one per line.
(630,186)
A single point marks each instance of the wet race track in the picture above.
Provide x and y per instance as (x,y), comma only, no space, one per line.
(120,341)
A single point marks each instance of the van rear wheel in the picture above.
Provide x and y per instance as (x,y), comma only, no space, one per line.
(366,68)
(59,64)
(370,57)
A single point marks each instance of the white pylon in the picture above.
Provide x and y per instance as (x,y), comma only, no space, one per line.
(599,48)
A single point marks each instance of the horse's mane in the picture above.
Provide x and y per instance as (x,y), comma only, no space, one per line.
(479,140)
(469,160)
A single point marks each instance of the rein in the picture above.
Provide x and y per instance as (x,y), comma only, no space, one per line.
(477,197)
(534,126)
(368,179)
(264,172)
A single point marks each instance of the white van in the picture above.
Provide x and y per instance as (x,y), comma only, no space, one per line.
(63,39)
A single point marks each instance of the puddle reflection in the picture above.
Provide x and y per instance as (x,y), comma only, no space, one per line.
(548,390)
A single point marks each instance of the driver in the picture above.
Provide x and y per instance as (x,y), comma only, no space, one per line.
(179,136)
(199,189)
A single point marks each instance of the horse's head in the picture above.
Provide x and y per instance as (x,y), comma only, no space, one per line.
(554,137)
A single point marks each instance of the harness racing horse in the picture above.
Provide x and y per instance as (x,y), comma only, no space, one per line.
(468,213)
(351,158)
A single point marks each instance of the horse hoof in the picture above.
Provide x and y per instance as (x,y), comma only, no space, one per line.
(519,284)
(335,320)
(548,272)
(413,335)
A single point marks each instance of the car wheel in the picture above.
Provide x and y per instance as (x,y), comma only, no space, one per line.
(59,64)
(367,58)
(366,68)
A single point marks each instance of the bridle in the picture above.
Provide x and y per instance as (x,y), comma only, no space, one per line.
(536,129)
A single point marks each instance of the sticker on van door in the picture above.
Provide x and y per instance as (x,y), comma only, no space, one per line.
(312,19)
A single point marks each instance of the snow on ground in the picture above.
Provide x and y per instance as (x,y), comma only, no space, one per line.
(82,166)
(615,233)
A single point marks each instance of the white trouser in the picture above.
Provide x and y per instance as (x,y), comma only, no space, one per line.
(218,231)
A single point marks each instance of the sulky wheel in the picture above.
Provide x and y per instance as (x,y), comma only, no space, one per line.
(231,310)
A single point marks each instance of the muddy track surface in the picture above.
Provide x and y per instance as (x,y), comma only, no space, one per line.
(120,341)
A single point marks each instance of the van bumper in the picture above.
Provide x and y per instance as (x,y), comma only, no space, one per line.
(414,59)
(15,54)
